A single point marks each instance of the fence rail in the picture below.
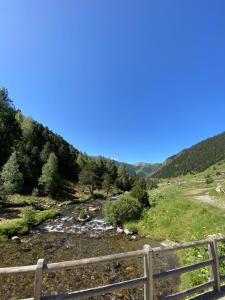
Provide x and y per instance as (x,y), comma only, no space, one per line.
(147,280)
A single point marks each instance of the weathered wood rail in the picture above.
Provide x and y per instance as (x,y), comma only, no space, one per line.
(147,280)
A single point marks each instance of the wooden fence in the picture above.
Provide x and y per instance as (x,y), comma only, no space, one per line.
(147,280)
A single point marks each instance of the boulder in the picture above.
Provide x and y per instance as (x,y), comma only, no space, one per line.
(119,230)
(84,220)
(127,232)
(91,208)
(16,239)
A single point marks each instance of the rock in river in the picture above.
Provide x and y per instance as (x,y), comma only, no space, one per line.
(16,239)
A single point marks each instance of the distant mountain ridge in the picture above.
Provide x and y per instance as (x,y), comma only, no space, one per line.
(197,158)
(141,169)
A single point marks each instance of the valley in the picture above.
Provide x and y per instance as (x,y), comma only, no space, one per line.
(60,203)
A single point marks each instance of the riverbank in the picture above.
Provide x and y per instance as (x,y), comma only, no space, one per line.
(64,238)
(21,213)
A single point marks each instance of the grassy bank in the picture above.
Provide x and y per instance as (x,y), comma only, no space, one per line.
(177,217)
(173,209)
(23,225)
(20,213)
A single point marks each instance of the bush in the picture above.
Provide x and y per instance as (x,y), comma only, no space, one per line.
(29,216)
(151,183)
(132,227)
(123,210)
(83,215)
(35,192)
(209,179)
(139,192)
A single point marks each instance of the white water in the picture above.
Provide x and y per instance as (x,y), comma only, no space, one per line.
(70,225)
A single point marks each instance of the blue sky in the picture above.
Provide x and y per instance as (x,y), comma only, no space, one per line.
(134,80)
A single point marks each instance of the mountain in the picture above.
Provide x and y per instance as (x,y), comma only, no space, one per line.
(197,158)
(141,169)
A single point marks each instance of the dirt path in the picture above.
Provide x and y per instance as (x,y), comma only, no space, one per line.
(202,195)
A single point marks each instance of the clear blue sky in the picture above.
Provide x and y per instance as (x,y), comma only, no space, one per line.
(134,80)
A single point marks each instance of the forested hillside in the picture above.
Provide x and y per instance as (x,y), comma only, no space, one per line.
(27,145)
(194,159)
(34,159)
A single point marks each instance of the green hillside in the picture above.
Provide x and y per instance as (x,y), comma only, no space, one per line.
(146,169)
(35,159)
(141,169)
(194,159)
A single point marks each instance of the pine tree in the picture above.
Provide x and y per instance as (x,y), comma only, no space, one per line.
(11,176)
(88,176)
(107,183)
(49,179)
(139,192)
(123,181)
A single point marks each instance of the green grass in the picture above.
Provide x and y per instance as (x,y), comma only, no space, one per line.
(41,216)
(29,200)
(21,226)
(27,216)
(178,218)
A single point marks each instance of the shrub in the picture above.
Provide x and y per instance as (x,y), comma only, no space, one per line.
(151,183)
(209,179)
(29,216)
(35,192)
(139,192)
(83,215)
(125,209)
(132,227)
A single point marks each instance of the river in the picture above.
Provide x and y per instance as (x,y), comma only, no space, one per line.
(64,238)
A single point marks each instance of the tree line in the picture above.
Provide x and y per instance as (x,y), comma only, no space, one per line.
(33,159)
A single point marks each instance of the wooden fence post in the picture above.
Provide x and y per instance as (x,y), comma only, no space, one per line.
(148,272)
(38,279)
(215,272)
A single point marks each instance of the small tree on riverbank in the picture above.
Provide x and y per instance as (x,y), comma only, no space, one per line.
(107,183)
(49,179)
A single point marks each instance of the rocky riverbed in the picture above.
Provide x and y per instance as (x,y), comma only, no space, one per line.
(65,238)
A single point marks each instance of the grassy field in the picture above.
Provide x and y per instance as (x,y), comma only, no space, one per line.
(178,218)
(176,215)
